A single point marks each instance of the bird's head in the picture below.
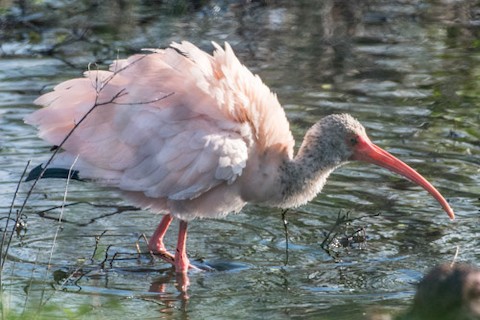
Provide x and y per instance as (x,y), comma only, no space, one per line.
(349,142)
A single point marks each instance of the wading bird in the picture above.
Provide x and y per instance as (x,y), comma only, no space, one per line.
(193,135)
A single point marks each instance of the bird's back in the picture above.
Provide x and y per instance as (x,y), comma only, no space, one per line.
(168,126)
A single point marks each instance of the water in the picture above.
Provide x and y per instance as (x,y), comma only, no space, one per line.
(409,71)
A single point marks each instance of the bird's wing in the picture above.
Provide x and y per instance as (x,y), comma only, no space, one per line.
(173,123)
(242,96)
(152,129)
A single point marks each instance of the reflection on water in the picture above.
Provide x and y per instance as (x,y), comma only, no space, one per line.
(409,72)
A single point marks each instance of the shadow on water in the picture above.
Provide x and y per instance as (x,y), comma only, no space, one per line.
(408,71)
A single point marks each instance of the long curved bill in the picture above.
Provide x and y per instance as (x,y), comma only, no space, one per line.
(366,151)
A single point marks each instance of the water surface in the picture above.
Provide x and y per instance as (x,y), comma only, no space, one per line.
(408,71)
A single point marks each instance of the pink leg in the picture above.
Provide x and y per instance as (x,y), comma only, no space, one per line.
(181,259)
(156,244)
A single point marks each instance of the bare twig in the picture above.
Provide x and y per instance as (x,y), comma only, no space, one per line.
(3,255)
(347,239)
(99,85)
(113,258)
(332,229)
(102,264)
(42,303)
(97,242)
(119,209)
(285,229)
(137,245)
(454,260)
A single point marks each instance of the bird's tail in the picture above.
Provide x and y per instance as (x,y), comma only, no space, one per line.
(67,166)
(60,173)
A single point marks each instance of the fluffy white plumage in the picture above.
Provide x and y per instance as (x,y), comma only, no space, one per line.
(174,128)
(196,135)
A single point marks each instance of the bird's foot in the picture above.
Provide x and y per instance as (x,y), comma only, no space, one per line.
(182,283)
(182,264)
(164,255)
(170,258)
(157,248)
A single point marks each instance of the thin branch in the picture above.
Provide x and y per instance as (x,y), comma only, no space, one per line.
(99,85)
(144,102)
(340,220)
(57,230)
(119,209)
(97,242)
(3,255)
(102,264)
(454,260)
(347,239)
(285,229)
(96,104)
(139,251)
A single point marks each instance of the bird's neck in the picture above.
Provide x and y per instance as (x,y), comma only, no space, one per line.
(304,176)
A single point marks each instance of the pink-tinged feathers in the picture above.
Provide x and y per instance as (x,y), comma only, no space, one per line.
(241,95)
(173,128)
(196,135)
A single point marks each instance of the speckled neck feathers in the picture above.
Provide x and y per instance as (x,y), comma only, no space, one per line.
(324,148)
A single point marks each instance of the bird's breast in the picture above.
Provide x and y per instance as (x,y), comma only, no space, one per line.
(260,182)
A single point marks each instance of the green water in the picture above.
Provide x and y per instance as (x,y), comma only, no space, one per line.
(409,71)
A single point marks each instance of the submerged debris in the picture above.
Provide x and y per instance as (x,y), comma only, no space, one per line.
(344,234)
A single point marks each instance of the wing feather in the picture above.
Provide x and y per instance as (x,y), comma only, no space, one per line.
(171,124)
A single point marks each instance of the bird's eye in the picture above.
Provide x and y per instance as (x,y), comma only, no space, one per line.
(353,140)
